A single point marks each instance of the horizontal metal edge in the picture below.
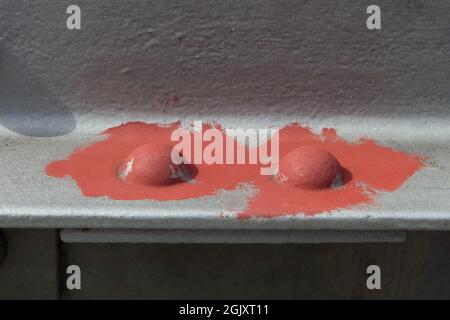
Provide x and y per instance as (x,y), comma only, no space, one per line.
(228,236)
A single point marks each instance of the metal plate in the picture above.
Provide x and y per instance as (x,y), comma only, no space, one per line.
(251,64)
(228,236)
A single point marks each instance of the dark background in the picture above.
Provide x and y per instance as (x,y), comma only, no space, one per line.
(36,263)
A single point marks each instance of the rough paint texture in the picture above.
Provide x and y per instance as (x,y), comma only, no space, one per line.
(249,63)
(368,168)
(309,168)
(151,164)
(277,60)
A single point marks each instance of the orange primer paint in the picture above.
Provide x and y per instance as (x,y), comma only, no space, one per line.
(368,169)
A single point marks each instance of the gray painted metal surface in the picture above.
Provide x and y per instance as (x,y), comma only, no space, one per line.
(228,236)
(246,64)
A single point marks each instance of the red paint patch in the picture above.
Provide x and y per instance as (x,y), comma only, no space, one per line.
(367,167)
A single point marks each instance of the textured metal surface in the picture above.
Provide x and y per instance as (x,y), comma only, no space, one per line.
(228,236)
(251,64)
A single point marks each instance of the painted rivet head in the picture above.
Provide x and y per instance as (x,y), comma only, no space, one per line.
(309,167)
(151,164)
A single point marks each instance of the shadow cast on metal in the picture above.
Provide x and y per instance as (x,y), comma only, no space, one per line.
(26,105)
(3,248)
